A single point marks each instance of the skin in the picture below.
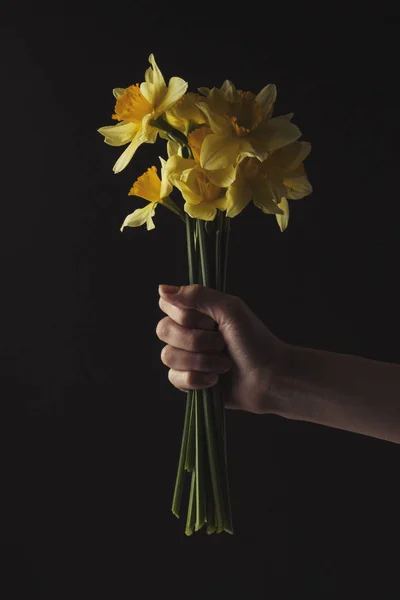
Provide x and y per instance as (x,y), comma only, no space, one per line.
(220,335)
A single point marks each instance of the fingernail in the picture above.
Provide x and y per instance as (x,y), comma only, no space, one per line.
(168,289)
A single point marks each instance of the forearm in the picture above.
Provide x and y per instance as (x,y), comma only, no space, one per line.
(339,390)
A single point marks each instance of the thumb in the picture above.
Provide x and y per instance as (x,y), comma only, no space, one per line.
(222,308)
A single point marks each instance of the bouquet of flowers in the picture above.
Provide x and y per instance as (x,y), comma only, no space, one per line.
(224,149)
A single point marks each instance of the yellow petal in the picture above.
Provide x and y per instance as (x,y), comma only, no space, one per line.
(266,99)
(221,202)
(218,122)
(120,134)
(127,155)
(173,148)
(219,152)
(175,166)
(117,92)
(222,177)
(153,88)
(276,133)
(283,220)
(204,90)
(203,211)
(291,157)
(176,88)
(141,216)
(263,198)
(297,187)
(190,194)
(229,90)
(238,196)
(166,186)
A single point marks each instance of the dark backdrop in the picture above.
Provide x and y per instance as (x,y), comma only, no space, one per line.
(90,425)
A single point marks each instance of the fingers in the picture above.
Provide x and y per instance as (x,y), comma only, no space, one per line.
(191,340)
(186,317)
(194,361)
(191,380)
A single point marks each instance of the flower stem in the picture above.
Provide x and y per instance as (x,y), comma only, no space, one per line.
(200,478)
(191,254)
(213,459)
(191,514)
(203,253)
(176,501)
(190,447)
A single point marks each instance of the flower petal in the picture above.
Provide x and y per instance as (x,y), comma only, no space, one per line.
(204,90)
(166,186)
(141,216)
(297,187)
(219,152)
(117,92)
(222,177)
(266,99)
(191,195)
(175,166)
(218,123)
(276,133)
(238,196)
(263,198)
(120,134)
(283,220)
(173,148)
(291,157)
(153,88)
(127,155)
(176,88)
(229,90)
(203,210)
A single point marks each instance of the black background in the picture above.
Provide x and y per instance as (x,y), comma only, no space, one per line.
(90,425)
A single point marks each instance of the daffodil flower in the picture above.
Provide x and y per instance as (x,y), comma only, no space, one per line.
(242,126)
(270,184)
(149,187)
(137,107)
(203,191)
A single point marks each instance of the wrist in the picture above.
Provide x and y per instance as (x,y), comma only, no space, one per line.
(279,384)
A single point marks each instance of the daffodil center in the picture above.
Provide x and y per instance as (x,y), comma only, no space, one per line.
(132,106)
(245,113)
(147,186)
(208,191)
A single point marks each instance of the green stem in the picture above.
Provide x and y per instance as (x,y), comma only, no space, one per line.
(200,479)
(227,230)
(191,514)
(176,501)
(203,253)
(190,249)
(213,459)
(190,449)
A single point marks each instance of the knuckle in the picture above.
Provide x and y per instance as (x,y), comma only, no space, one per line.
(190,379)
(163,328)
(166,355)
(192,340)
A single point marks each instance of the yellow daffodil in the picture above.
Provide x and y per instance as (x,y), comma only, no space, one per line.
(185,115)
(203,191)
(270,184)
(137,107)
(242,126)
(148,186)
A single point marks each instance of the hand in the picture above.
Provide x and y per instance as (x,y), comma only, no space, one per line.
(210,332)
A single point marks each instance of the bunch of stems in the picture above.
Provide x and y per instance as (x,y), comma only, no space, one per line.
(203,447)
